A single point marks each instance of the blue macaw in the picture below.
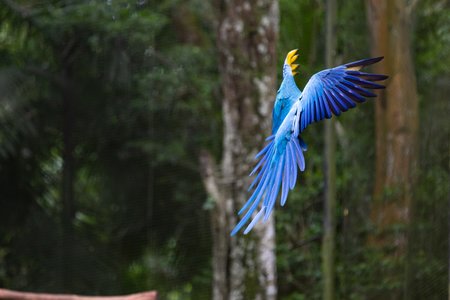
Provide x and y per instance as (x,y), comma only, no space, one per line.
(328,92)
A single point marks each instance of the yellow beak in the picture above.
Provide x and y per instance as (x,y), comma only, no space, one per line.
(291,58)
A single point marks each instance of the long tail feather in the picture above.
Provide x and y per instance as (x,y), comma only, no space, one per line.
(275,173)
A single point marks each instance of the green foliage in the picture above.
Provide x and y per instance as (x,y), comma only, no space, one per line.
(139,106)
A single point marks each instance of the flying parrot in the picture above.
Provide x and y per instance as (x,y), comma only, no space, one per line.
(328,92)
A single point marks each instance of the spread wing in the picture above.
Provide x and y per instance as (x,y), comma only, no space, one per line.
(333,91)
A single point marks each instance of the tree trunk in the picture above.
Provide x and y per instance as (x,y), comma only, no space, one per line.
(68,173)
(396,117)
(329,224)
(244,267)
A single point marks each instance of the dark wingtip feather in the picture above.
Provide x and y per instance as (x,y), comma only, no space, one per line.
(362,82)
(364,62)
(367,76)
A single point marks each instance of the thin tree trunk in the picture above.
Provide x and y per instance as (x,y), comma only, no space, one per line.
(68,173)
(396,115)
(243,267)
(329,224)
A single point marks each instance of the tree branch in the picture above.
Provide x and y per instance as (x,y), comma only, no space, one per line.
(307,241)
(411,6)
(15,295)
(208,170)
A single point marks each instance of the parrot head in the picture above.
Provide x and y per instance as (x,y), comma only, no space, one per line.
(289,62)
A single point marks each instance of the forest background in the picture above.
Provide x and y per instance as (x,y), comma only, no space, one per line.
(112,113)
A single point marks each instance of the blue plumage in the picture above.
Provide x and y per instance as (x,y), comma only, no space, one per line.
(328,92)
